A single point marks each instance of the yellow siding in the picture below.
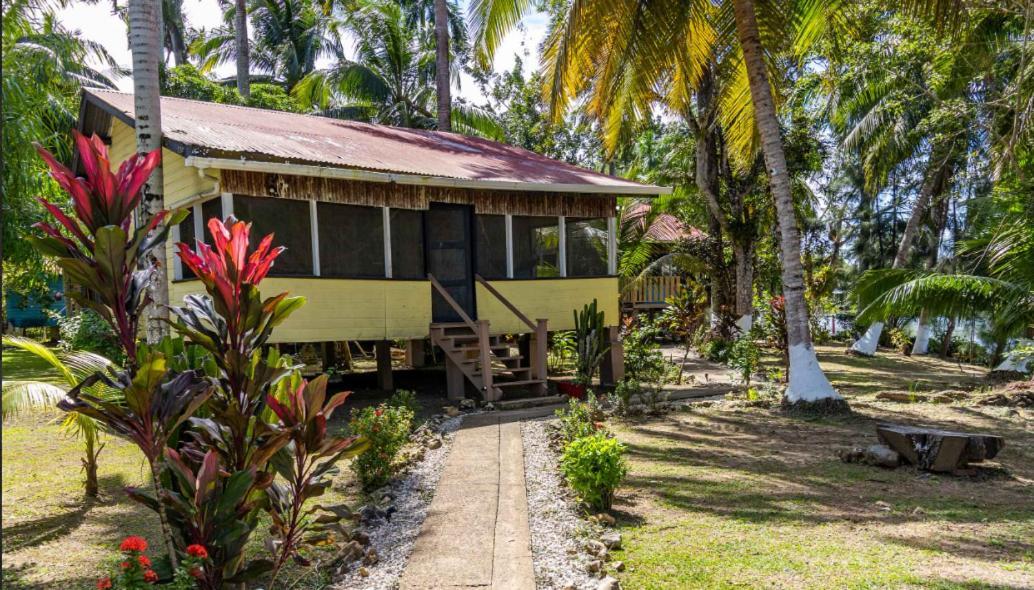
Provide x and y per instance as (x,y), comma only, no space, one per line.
(552,299)
(342,309)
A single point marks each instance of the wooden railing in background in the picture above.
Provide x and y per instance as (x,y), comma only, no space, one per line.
(650,291)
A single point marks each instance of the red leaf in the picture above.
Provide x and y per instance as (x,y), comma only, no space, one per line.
(65,221)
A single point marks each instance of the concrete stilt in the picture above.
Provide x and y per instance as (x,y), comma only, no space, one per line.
(384,376)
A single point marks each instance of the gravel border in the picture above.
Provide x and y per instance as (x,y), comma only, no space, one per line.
(393,539)
(557,533)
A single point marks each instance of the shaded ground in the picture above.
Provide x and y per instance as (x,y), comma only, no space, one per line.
(725,497)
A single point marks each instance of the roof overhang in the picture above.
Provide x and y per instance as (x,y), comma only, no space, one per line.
(202,163)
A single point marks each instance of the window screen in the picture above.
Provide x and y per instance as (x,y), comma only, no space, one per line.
(351,240)
(536,244)
(209,209)
(186,229)
(289,221)
(407,244)
(586,247)
(491,246)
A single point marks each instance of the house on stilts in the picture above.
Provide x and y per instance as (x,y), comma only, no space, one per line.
(394,234)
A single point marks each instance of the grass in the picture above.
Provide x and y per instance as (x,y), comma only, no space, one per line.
(733,497)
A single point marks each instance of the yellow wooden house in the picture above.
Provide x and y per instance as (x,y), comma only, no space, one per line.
(394,233)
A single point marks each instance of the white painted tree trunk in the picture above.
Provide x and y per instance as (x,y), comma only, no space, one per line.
(867,344)
(922,343)
(745,323)
(807,381)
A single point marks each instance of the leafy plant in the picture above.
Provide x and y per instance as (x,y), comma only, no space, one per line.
(594,466)
(304,464)
(100,249)
(561,349)
(404,398)
(745,357)
(899,339)
(644,361)
(580,418)
(134,569)
(386,429)
(86,330)
(590,340)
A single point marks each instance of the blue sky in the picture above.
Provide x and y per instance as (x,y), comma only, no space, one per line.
(96,22)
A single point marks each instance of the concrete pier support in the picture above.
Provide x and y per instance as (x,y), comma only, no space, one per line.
(612,369)
(384,376)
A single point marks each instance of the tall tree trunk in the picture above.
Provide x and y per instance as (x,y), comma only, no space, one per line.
(441,64)
(937,174)
(938,221)
(743,257)
(240,30)
(90,463)
(145,45)
(807,381)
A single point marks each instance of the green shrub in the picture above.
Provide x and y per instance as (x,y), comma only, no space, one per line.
(405,398)
(580,418)
(623,394)
(85,330)
(644,361)
(744,356)
(594,466)
(387,429)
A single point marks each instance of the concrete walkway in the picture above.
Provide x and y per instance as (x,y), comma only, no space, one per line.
(476,532)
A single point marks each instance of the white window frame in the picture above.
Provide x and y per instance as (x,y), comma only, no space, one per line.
(177,264)
(509,245)
(562,262)
(612,246)
(227,204)
(387,241)
(314,232)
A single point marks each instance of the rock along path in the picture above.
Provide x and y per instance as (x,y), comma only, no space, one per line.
(476,533)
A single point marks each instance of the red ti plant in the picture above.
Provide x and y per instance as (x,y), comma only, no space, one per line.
(304,465)
(98,247)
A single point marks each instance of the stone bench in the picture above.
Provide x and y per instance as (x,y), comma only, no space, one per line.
(939,450)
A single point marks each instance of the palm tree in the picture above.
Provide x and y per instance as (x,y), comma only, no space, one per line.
(390,82)
(145,44)
(290,36)
(242,53)
(441,63)
(20,396)
(677,39)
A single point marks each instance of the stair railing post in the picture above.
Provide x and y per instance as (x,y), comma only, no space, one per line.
(539,362)
(485,355)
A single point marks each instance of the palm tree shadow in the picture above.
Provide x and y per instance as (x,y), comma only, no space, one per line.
(55,526)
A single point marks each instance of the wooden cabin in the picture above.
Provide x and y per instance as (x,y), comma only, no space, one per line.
(391,233)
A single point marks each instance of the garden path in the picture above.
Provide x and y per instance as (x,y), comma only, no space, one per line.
(476,532)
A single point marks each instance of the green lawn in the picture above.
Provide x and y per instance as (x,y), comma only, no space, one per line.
(732,497)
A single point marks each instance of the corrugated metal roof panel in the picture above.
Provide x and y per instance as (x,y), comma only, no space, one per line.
(229,130)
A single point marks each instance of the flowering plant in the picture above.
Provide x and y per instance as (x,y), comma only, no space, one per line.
(134,570)
(387,429)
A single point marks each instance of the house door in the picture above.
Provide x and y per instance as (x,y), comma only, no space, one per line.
(450,260)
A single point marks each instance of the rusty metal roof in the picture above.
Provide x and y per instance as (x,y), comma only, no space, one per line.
(205,129)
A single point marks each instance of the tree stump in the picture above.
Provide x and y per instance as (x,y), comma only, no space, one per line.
(939,450)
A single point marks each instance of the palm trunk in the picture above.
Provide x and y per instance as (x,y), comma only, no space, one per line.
(743,257)
(807,382)
(163,516)
(240,30)
(146,48)
(179,45)
(90,464)
(441,62)
(937,175)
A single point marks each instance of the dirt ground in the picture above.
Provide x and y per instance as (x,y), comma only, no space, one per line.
(722,495)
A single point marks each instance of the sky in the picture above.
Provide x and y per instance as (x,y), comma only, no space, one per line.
(97,23)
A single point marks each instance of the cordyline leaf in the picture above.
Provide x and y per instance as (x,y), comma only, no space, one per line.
(110,252)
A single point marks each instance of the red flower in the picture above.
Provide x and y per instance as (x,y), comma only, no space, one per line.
(197,551)
(104,584)
(378,412)
(125,565)
(150,577)
(196,573)
(144,561)
(133,543)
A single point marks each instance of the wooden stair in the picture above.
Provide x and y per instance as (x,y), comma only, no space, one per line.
(486,361)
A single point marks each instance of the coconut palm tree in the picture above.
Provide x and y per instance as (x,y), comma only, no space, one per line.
(677,39)
(290,36)
(21,396)
(145,45)
(390,81)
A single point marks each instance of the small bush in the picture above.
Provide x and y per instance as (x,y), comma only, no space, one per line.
(644,361)
(387,428)
(580,418)
(85,330)
(594,466)
(405,398)
(715,350)
(624,392)
(744,356)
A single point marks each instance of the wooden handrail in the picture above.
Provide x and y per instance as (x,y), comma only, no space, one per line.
(452,302)
(505,301)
